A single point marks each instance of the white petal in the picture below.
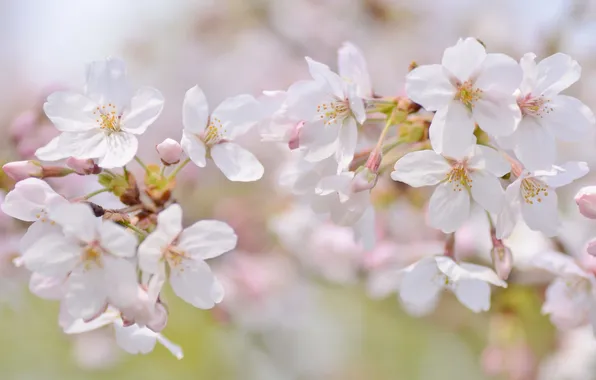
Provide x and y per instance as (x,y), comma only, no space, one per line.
(473,294)
(559,264)
(497,115)
(542,216)
(556,73)
(86,295)
(193,281)
(195,111)
(507,219)
(464,59)
(117,240)
(489,159)
(302,100)
(352,65)
(79,326)
(194,148)
(419,286)
(322,74)
(207,239)
(365,231)
(356,103)
(567,307)
(53,255)
(175,349)
(46,287)
(145,107)
(430,87)
(468,271)
(120,279)
(106,82)
(487,191)
(169,221)
(568,119)
(28,199)
(529,67)
(340,184)
(348,137)
(422,168)
(78,220)
(135,339)
(236,163)
(535,145)
(37,231)
(51,151)
(169,226)
(71,112)
(449,207)
(89,144)
(238,114)
(499,74)
(566,173)
(122,147)
(452,131)
(319,140)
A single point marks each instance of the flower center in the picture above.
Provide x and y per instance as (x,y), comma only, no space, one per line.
(531,189)
(334,111)
(443,281)
(92,256)
(108,118)
(459,177)
(468,94)
(534,106)
(213,134)
(174,255)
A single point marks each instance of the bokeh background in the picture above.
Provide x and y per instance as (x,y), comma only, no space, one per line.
(300,305)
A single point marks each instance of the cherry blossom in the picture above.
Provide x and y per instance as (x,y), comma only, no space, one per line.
(468,87)
(476,176)
(102,122)
(185,251)
(211,135)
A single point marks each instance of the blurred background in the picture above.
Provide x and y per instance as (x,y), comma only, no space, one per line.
(302,301)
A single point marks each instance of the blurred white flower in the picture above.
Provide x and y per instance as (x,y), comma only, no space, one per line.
(102,122)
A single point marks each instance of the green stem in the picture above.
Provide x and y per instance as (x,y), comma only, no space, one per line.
(137,159)
(96,192)
(134,228)
(180,167)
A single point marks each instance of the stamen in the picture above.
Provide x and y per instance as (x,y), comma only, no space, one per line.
(533,189)
(214,132)
(534,106)
(468,94)
(92,256)
(459,176)
(175,256)
(333,112)
(108,119)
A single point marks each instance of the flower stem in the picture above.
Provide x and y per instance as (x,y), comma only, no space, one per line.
(137,159)
(180,167)
(96,192)
(134,228)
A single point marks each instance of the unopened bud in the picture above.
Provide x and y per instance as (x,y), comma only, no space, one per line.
(502,260)
(364,180)
(20,170)
(586,201)
(591,247)
(83,166)
(374,161)
(294,142)
(169,152)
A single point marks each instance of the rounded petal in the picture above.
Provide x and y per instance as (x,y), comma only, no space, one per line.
(566,173)
(28,199)
(117,240)
(487,191)
(37,231)
(356,103)
(567,307)
(89,144)
(535,145)
(193,281)
(322,74)
(79,326)
(489,159)
(238,114)
(71,112)
(46,287)
(497,115)
(468,271)
(452,131)
(449,207)
(464,58)
(473,294)
(528,65)
(320,141)
(559,264)
(195,111)
(542,216)
(134,339)
(207,239)
(145,107)
(121,149)
(86,293)
(53,255)
(194,148)
(169,226)
(556,73)
(568,118)
(51,151)
(422,168)
(507,219)
(352,65)
(302,100)
(430,87)
(78,220)
(419,287)
(120,279)
(106,83)
(237,163)
(499,74)
(348,137)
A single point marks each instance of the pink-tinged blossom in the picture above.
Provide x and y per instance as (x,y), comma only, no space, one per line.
(586,201)
(169,151)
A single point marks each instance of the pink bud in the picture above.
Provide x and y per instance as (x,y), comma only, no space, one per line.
(586,201)
(83,166)
(502,260)
(374,161)
(169,152)
(294,142)
(20,170)
(364,180)
(591,247)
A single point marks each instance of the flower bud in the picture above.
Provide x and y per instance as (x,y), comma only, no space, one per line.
(169,152)
(591,247)
(20,170)
(83,166)
(364,180)
(586,201)
(294,142)
(502,260)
